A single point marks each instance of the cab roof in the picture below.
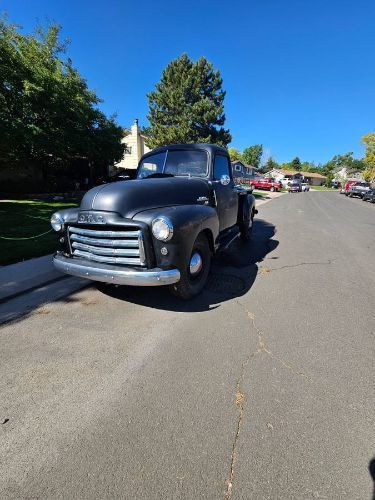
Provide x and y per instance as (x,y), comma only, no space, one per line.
(210,148)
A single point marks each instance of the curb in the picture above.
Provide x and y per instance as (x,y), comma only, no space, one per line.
(22,277)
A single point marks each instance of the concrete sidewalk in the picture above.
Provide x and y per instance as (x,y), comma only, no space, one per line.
(266,197)
(23,276)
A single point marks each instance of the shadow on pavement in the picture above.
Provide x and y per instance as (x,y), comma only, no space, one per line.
(232,275)
(33,302)
(371,469)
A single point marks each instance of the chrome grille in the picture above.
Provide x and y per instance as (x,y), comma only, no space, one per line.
(111,247)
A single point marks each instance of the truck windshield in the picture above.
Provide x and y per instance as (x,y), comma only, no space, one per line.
(176,163)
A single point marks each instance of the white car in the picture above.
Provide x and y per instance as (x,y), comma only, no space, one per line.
(305,186)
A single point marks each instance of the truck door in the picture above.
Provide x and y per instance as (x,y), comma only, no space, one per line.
(226,196)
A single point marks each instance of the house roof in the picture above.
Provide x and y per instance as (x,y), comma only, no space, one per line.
(293,172)
(236,162)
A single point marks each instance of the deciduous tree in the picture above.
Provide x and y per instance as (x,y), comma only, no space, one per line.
(234,154)
(369,141)
(48,115)
(252,155)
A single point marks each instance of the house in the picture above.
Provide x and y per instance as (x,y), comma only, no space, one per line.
(285,176)
(135,147)
(346,173)
(242,172)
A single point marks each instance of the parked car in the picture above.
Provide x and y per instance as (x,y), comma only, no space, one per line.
(266,183)
(162,227)
(305,186)
(358,189)
(348,184)
(294,187)
(369,195)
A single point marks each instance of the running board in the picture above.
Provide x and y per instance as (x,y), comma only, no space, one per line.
(228,240)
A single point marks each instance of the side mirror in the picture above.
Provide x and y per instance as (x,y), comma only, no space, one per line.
(224,180)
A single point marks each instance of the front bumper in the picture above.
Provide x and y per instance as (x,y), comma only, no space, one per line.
(115,274)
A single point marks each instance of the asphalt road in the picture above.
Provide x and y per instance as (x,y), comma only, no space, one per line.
(261,388)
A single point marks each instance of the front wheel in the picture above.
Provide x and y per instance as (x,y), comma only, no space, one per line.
(194,276)
(272,189)
(246,228)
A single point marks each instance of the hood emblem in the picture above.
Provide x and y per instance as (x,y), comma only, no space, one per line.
(91,219)
(203,199)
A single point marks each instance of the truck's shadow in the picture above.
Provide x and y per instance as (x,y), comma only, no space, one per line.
(233,274)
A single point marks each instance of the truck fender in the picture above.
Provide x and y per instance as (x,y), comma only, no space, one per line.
(188,222)
(248,206)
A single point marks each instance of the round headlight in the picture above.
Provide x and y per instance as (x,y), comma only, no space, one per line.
(57,222)
(162,229)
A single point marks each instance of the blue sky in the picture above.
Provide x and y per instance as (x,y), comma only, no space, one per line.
(299,74)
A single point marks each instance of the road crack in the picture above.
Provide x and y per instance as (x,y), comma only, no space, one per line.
(262,348)
(265,270)
(239,402)
(240,395)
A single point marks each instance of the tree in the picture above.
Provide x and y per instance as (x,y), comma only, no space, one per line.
(252,155)
(270,164)
(369,141)
(329,179)
(234,154)
(187,105)
(345,160)
(48,115)
(296,164)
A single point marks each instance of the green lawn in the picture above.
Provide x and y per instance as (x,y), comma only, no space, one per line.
(24,219)
(258,194)
(264,192)
(322,188)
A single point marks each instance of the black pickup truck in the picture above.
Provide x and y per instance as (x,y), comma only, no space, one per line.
(162,227)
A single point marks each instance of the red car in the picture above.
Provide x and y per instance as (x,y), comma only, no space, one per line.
(266,183)
(348,184)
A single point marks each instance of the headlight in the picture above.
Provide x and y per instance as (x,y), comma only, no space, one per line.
(57,222)
(162,229)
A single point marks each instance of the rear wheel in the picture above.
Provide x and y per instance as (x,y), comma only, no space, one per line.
(194,276)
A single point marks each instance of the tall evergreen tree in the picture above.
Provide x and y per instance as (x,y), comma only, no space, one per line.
(270,164)
(187,105)
(296,164)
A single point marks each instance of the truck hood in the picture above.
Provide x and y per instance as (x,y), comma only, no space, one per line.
(128,198)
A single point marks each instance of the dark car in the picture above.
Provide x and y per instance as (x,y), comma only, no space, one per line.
(294,187)
(359,189)
(369,195)
(162,227)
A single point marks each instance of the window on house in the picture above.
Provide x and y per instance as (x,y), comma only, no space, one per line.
(128,150)
(237,168)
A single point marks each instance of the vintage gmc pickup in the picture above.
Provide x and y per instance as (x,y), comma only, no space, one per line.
(162,227)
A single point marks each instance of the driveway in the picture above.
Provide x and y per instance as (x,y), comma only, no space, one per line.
(260,388)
